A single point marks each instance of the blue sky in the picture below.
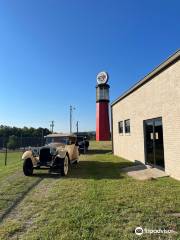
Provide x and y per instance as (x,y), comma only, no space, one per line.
(51,51)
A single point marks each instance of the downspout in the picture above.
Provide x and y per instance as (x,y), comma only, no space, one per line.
(112,137)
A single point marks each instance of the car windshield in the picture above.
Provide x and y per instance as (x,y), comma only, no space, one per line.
(63,140)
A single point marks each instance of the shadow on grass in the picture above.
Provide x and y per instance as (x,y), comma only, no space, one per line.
(98,170)
(46,174)
(98,151)
(19,199)
(90,170)
(37,177)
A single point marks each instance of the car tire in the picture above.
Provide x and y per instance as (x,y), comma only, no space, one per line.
(28,167)
(65,166)
(76,162)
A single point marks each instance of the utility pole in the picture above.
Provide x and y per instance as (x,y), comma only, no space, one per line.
(21,145)
(42,137)
(77,127)
(52,126)
(6,155)
(70,117)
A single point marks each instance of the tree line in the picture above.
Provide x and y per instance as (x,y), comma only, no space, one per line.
(14,137)
(7,131)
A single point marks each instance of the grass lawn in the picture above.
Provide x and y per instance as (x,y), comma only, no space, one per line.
(96,201)
(13,163)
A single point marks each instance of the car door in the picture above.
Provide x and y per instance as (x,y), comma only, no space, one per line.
(75,148)
(72,148)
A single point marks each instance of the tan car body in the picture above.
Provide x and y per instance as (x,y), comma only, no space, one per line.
(58,149)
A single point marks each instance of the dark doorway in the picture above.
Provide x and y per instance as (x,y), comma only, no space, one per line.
(154,149)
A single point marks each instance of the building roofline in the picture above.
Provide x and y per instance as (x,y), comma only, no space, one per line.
(172,59)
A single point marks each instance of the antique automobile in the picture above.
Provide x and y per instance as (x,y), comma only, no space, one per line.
(83,143)
(59,152)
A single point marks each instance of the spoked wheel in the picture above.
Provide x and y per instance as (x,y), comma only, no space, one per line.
(28,167)
(65,166)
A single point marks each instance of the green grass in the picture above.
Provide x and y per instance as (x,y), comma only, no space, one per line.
(96,201)
(13,184)
(13,163)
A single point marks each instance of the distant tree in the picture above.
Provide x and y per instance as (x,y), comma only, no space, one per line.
(12,142)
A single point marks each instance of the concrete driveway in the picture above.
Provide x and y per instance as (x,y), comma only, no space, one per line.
(144,172)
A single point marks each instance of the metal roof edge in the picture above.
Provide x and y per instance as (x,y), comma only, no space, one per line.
(169,61)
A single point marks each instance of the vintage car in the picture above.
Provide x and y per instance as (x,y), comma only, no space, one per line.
(59,151)
(83,143)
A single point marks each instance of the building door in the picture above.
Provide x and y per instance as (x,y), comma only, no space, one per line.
(154,149)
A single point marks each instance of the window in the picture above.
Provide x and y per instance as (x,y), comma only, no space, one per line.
(127,126)
(120,126)
(102,94)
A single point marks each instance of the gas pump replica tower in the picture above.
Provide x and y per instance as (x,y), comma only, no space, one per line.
(102,108)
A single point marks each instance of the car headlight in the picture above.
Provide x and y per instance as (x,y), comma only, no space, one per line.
(35,151)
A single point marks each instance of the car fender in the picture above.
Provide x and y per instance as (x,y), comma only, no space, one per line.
(28,154)
(61,154)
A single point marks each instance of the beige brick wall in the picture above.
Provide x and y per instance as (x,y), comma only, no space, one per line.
(159,97)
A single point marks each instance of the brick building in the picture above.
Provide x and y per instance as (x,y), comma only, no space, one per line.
(146,119)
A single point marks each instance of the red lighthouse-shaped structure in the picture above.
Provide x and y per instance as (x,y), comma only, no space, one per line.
(102,108)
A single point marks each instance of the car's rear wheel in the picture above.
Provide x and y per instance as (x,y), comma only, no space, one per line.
(28,167)
(65,166)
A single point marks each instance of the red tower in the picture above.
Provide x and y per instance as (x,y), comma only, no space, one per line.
(102,108)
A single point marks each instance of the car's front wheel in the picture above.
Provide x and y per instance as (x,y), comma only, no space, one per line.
(28,167)
(65,166)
